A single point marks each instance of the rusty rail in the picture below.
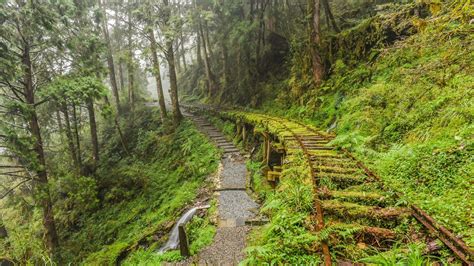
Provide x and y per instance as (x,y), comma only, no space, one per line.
(456,245)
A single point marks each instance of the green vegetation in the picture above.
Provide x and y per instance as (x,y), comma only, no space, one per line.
(404,107)
(200,232)
(179,164)
(287,238)
(131,201)
(409,116)
(90,175)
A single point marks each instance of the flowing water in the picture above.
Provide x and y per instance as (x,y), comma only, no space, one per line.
(173,241)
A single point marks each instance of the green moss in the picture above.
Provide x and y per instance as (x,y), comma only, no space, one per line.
(107,255)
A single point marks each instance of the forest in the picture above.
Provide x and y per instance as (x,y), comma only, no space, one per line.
(302,132)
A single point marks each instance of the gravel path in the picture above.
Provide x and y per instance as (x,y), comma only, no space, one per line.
(234,206)
(234,172)
(227,248)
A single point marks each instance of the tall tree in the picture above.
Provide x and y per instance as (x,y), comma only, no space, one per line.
(110,57)
(130,61)
(157,73)
(24,29)
(330,16)
(314,7)
(204,38)
(198,48)
(183,51)
(170,34)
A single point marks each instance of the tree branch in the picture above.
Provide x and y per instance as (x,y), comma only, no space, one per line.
(13,188)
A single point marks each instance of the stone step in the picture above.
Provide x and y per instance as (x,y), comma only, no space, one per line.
(231,150)
(227,146)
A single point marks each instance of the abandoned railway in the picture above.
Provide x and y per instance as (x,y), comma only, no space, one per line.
(347,194)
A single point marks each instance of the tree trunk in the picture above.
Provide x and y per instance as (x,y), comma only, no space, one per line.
(121,78)
(60,124)
(70,141)
(130,68)
(177,116)
(77,137)
(183,53)
(208,42)
(119,130)
(211,84)
(317,62)
(198,51)
(261,31)
(51,236)
(330,16)
(177,61)
(119,46)
(157,74)
(93,129)
(110,60)
(225,66)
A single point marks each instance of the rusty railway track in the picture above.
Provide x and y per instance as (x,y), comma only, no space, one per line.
(456,245)
(307,145)
(317,203)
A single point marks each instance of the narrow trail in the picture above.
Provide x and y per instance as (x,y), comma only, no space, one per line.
(235,206)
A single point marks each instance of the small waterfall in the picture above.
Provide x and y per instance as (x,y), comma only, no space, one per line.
(173,241)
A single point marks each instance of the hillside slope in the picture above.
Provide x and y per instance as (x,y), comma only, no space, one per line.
(409,115)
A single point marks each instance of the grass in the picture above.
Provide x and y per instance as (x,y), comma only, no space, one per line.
(412,254)
(286,239)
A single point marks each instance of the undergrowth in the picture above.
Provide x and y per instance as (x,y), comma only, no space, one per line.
(135,198)
(408,115)
(287,238)
(200,233)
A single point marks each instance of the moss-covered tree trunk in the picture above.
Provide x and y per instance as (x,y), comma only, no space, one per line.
(177,116)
